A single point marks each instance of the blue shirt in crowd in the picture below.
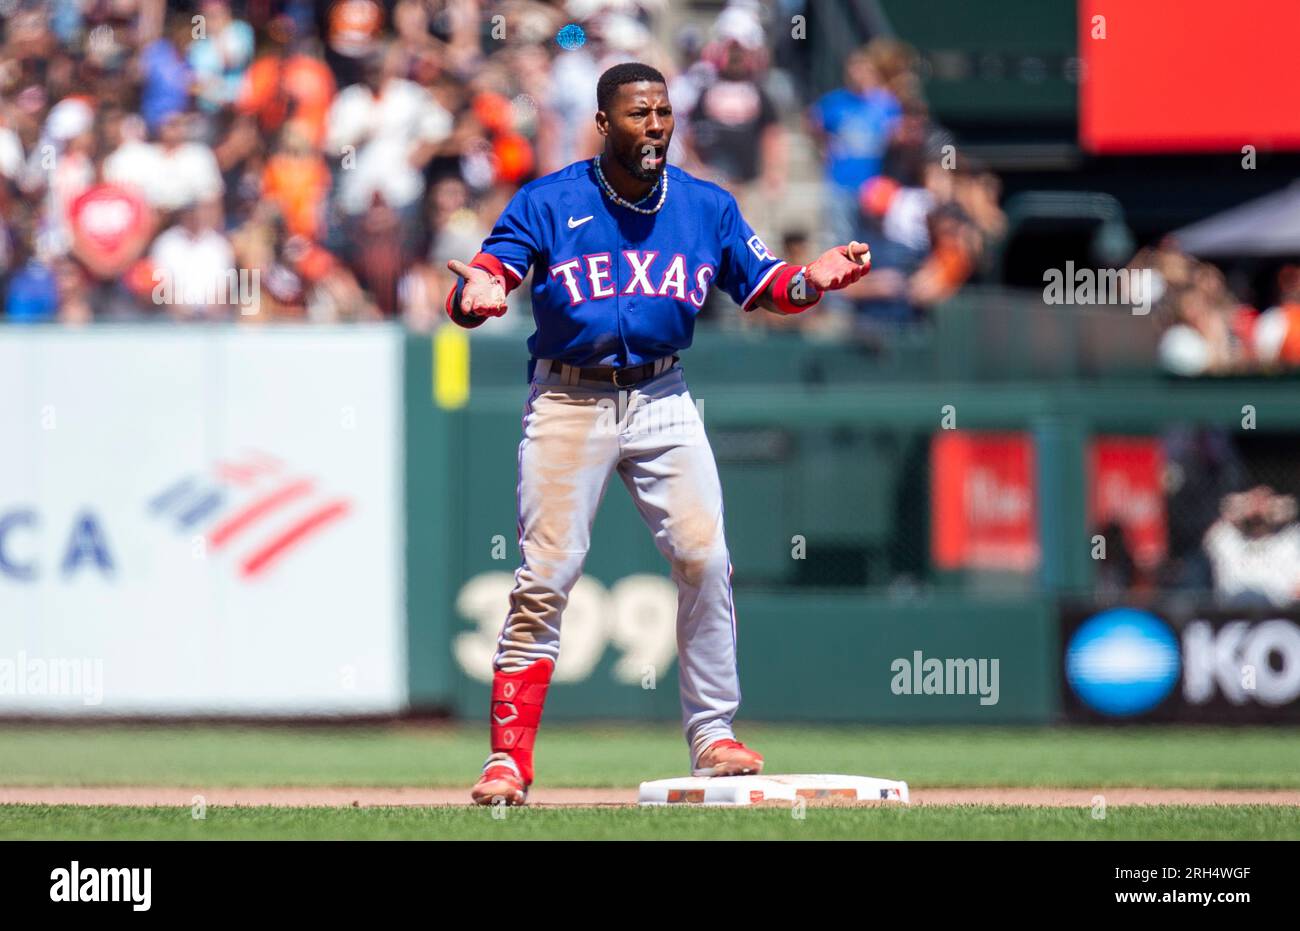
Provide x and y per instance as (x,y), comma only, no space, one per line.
(166,85)
(857,129)
(32,296)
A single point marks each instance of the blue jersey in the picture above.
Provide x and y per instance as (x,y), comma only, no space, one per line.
(615,287)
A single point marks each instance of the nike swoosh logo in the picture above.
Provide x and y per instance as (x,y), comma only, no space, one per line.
(574,224)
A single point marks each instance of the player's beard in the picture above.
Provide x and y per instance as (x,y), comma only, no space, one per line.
(631,162)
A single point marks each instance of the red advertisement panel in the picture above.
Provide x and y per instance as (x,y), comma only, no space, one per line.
(1126,487)
(984,513)
(1187,75)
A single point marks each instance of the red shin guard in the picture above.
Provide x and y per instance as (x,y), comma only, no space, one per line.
(517,701)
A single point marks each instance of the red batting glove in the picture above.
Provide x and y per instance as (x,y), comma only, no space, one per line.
(839,267)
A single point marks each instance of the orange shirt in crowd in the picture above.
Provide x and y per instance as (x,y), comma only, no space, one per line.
(952,262)
(298,184)
(1289,354)
(276,88)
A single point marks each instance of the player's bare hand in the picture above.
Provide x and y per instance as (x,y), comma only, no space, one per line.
(484,294)
(839,267)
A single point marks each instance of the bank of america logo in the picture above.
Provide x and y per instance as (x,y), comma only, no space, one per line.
(254,507)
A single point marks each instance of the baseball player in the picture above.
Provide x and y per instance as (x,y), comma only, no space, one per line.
(623,250)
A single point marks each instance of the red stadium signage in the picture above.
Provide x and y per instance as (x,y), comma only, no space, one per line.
(984,512)
(984,502)
(1125,486)
(1187,76)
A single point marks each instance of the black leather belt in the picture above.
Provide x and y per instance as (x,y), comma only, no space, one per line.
(625,377)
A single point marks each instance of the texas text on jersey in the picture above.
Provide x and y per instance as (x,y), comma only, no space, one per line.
(618,288)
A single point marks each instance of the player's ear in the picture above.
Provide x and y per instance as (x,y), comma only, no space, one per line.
(602,122)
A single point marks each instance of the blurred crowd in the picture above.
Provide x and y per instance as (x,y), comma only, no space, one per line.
(1230,524)
(895,179)
(1206,330)
(264,160)
(1253,549)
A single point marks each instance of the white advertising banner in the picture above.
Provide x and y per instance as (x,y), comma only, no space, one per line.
(201,521)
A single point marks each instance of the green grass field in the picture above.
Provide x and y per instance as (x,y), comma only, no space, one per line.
(625,756)
(966,822)
(609,756)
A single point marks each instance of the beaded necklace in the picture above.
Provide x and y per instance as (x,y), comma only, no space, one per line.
(624,202)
